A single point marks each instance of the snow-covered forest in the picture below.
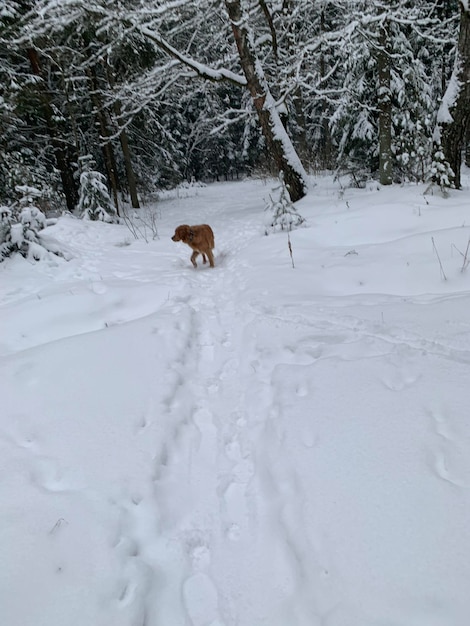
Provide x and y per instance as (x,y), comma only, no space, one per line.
(159,92)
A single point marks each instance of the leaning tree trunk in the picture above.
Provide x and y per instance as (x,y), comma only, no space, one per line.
(454,112)
(278,143)
(384,106)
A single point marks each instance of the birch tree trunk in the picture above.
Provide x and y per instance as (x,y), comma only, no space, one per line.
(278,143)
(454,113)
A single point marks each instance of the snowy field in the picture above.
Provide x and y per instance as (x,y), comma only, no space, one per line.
(250,445)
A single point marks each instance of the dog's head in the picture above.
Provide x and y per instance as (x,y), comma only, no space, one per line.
(182,233)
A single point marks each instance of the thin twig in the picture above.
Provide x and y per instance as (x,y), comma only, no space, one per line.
(453,246)
(290,249)
(466,260)
(142,225)
(443,274)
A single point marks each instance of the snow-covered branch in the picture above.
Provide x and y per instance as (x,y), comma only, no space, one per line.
(201,69)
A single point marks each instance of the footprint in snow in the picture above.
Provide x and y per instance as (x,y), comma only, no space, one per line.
(441,456)
(399,379)
(441,469)
(201,600)
(47,475)
(99,288)
(236,510)
(202,417)
(199,592)
(233,532)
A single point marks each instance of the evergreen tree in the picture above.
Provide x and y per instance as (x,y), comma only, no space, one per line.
(412,49)
(94,202)
(284,213)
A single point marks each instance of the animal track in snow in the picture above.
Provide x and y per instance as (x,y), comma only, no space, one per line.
(198,551)
(442,470)
(46,474)
(446,448)
(402,369)
(398,380)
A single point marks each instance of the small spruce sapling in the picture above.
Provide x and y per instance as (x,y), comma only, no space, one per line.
(94,202)
(441,173)
(284,214)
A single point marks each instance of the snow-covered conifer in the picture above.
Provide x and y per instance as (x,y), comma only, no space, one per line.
(441,172)
(94,202)
(284,215)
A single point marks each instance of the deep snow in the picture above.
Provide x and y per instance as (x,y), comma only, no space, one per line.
(247,445)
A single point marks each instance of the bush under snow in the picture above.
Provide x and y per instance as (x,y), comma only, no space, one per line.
(20,225)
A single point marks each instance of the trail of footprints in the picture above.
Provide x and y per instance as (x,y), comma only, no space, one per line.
(206,445)
(189,458)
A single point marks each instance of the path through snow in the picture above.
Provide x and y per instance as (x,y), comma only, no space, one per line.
(250,445)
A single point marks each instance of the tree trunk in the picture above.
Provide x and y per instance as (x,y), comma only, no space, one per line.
(454,112)
(105,133)
(58,145)
(467,147)
(300,133)
(298,128)
(278,143)
(131,180)
(124,141)
(326,145)
(384,106)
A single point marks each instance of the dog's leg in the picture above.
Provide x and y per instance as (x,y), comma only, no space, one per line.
(204,260)
(193,258)
(211,258)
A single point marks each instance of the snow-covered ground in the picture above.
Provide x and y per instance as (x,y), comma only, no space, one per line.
(250,445)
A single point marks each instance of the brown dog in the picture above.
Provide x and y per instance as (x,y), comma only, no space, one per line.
(200,238)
